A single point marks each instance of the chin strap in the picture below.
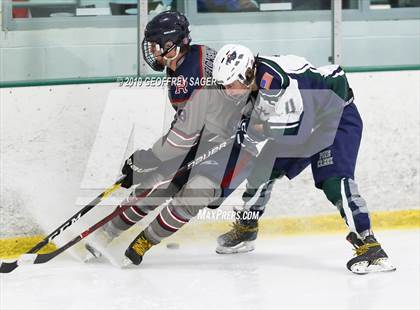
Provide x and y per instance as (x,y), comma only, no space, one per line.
(169,60)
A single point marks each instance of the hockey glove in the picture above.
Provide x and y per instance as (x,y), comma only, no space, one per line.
(137,166)
(245,134)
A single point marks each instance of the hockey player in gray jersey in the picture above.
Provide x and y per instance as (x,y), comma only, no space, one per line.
(208,119)
(309,118)
(166,47)
(205,121)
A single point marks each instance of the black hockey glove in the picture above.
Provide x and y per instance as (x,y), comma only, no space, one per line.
(245,135)
(137,166)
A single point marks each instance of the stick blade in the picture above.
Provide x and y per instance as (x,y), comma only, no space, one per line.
(7,267)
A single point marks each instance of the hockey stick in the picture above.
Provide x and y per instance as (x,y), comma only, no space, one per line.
(6,267)
(31,258)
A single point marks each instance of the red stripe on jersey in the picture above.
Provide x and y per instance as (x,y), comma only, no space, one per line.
(138,211)
(180,146)
(182,220)
(178,101)
(164,225)
(126,220)
(183,135)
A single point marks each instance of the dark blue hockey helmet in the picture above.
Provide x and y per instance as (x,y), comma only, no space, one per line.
(165,32)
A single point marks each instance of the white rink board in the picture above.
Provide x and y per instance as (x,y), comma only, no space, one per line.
(48,134)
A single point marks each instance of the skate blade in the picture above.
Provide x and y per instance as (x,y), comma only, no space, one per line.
(378,265)
(243,247)
(100,253)
(92,254)
(126,263)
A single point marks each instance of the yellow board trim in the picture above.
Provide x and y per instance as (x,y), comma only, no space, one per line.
(13,247)
(269,227)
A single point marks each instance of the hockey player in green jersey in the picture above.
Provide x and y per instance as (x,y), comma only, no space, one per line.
(290,93)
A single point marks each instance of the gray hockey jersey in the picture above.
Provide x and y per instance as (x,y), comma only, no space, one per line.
(208,115)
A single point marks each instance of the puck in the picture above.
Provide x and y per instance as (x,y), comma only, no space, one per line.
(172,245)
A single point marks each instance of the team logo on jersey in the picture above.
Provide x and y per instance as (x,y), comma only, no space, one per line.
(325,159)
(181,85)
(231,57)
(266,81)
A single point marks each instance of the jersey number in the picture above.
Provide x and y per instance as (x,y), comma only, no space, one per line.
(290,106)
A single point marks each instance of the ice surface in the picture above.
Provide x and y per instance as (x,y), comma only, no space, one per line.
(306,272)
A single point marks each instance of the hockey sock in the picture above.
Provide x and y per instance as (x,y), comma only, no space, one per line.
(344,194)
(129,217)
(165,224)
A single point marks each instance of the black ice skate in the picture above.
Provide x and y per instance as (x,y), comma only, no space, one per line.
(136,250)
(370,257)
(241,238)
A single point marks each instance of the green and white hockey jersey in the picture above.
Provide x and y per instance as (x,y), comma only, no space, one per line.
(295,98)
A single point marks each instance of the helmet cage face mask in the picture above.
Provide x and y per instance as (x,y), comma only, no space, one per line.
(149,56)
(149,53)
(164,33)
